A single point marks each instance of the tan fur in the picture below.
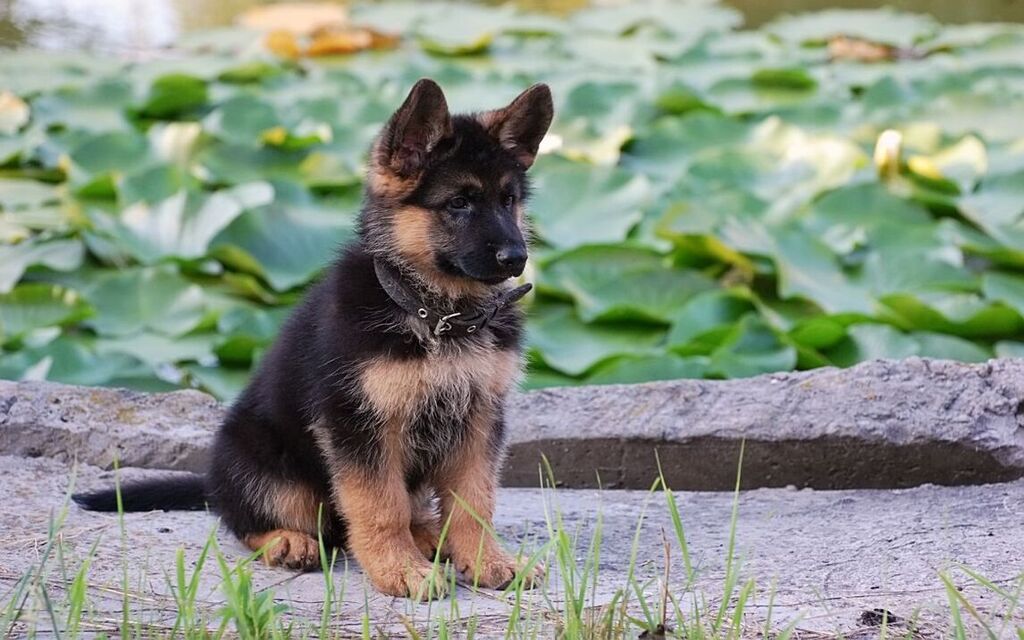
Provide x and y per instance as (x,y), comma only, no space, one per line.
(414,234)
(295,507)
(397,389)
(466,487)
(293,549)
(379,515)
(387,184)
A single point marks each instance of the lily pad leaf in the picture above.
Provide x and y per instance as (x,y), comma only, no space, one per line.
(61,255)
(629,369)
(224,383)
(242,120)
(943,347)
(286,245)
(619,283)
(69,361)
(872,341)
(98,160)
(17,193)
(157,349)
(752,348)
(577,204)
(707,319)
(793,79)
(961,314)
(33,306)
(875,25)
(154,298)
(568,345)
(1004,287)
(807,268)
(173,95)
(183,225)
(688,18)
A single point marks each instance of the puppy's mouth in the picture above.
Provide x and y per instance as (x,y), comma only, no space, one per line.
(453,267)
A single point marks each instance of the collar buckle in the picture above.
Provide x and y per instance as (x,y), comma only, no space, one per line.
(443,325)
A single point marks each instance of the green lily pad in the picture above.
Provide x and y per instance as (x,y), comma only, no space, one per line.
(33,306)
(691,17)
(181,226)
(286,245)
(577,204)
(875,25)
(156,349)
(789,79)
(154,298)
(808,269)
(706,320)
(69,361)
(871,341)
(629,370)
(618,283)
(960,314)
(173,95)
(752,348)
(223,383)
(62,255)
(242,120)
(18,193)
(572,347)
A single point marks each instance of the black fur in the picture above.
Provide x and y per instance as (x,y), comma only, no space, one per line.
(178,493)
(308,382)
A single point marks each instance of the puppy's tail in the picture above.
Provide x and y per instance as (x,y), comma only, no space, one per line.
(174,493)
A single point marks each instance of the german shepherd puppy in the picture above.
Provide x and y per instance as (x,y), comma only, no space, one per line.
(382,398)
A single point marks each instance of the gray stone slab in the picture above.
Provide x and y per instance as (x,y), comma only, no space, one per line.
(831,555)
(878,424)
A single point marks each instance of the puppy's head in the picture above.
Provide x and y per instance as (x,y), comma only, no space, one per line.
(446,193)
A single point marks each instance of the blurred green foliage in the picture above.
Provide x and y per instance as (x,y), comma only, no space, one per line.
(707,207)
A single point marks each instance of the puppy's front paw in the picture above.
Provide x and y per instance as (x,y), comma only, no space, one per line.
(497,570)
(417,581)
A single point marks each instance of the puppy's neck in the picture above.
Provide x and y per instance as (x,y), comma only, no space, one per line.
(440,289)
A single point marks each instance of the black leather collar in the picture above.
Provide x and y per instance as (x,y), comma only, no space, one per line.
(451,325)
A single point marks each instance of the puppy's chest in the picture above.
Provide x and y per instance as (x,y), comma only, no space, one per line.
(445,386)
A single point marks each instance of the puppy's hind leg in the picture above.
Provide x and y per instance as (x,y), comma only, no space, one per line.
(261,501)
(294,542)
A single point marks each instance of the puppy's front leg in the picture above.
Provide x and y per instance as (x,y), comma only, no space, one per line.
(378,513)
(467,490)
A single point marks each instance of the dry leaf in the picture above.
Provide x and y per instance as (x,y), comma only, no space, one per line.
(859,50)
(283,43)
(299,18)
(14,113)
(330,42)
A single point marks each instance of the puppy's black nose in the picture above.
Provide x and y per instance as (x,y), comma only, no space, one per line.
(512,258)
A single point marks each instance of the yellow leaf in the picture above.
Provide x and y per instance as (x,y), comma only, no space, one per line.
(274,136)
(924,167)
(299,18)
(283,43)
(335,41)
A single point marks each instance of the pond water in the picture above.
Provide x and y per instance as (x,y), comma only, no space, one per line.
(138,25)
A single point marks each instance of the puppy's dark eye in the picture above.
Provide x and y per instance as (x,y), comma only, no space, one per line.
(508,201)
(458,202)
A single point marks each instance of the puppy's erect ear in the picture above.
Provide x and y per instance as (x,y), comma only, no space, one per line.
(415,129)
(521,125)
